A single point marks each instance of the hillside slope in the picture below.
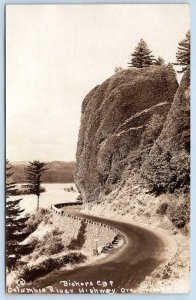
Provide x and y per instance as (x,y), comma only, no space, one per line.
(58,172)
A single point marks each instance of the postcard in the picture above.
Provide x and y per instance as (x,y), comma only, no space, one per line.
(97,149)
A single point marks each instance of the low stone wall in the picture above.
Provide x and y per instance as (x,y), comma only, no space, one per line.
(98,235)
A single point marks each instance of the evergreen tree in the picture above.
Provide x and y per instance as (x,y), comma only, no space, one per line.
(171,70)
(15,224)
(183,53)
(33,174)
(159,61)
(142,56)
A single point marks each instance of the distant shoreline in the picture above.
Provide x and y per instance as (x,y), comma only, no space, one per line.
(58,172)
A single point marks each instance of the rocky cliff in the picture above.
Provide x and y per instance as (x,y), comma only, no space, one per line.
(167,166)
(120,121)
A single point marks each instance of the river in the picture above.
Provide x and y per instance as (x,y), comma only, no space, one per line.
(55,193)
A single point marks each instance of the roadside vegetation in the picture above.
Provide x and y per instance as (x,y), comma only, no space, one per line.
(47,252)
(34,247)
(31,273)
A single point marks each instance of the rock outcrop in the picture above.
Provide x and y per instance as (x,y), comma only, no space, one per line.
(175,135)
(167,167)
(120,121)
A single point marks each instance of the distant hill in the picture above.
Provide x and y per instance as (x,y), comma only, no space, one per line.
(59,172)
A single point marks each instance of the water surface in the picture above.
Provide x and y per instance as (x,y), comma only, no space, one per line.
(54,194)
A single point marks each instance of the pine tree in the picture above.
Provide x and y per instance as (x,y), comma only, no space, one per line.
(15,224)
(159,61)
(33,174)
(142,56)
(171,70)
(183,53)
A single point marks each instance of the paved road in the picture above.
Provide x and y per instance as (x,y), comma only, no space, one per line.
(126,267)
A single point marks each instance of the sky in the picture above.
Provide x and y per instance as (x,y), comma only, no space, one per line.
(55,54)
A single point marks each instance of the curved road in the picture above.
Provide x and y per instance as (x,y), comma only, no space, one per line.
(127,266)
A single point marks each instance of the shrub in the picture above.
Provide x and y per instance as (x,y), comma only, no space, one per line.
(162,209)
(30,273)
(167,173)
(153,129)
(179,214)
(72,258)
(27,248)
(56,231)
(55,247)
(43,215)
(32,224)
(51,243)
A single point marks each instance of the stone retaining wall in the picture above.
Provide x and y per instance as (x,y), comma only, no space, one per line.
(98,235)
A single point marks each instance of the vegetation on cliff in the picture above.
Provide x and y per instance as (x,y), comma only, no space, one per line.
(183,53)
(142,56)
(168,166)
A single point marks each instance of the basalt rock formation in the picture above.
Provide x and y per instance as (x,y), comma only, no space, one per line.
(167,167)
(120,121)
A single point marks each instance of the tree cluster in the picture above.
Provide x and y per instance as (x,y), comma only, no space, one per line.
(183,53)
(166,173)
(142,56)
(15,223)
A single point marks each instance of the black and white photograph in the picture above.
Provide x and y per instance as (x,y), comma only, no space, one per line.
(97,148)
